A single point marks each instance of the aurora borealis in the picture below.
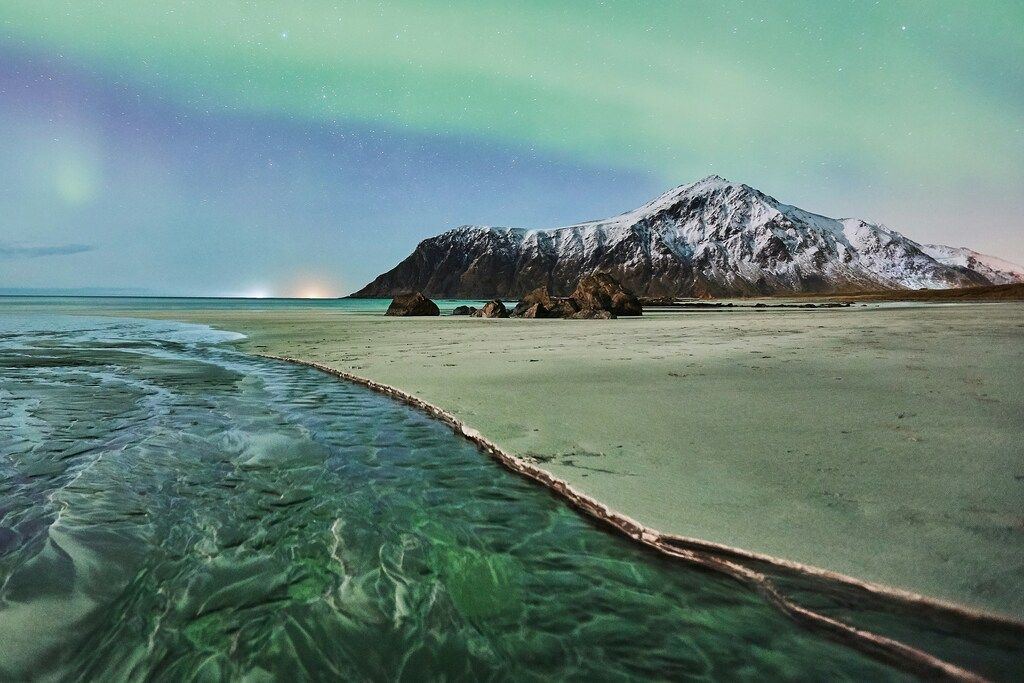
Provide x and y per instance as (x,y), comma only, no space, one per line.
(269,147)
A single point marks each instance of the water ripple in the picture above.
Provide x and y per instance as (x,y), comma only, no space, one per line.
(170,509)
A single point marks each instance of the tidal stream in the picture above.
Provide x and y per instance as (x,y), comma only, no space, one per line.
(172,509)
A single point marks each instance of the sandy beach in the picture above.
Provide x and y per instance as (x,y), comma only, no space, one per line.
(880,442)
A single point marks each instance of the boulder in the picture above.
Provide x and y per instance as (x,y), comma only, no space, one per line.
(563,308)
(492,309)
(538,297)
(601,291)
(534,311)
(550,306)
(592,314)
(597,297)
(412,304)
(464,310)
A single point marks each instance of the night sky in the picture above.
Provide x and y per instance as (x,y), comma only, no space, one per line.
(300,147)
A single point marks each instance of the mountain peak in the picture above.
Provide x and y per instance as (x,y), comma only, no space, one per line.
(712,237)
(706,184)
(716,184)
(710,190)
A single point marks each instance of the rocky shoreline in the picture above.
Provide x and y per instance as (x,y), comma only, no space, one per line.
(596,297)
(704,305)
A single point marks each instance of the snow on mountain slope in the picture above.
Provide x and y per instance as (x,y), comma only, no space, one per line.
(998,271)
(709,238)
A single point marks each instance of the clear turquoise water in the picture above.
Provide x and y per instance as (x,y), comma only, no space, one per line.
(171,509)
(92,303)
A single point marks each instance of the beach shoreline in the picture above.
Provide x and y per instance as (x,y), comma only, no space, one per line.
(892,621)
(571,417)
(669,544)
(725,425)
(722,558)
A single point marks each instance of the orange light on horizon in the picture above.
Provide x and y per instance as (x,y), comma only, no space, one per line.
(311,289)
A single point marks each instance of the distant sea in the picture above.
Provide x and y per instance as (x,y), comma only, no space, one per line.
(123,303)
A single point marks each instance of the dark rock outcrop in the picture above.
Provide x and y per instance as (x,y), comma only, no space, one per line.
(602,292)
(412,304)
(549,306)
(464,310)
(534,311)
(492,309)
(564,307)
(538,300)
(598,296)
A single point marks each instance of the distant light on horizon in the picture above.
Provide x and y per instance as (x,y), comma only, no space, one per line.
(312,288)
(253,291)
(306,287)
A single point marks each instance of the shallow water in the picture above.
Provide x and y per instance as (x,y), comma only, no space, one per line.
(173,509)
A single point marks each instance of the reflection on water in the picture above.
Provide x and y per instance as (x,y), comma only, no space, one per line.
(172,509)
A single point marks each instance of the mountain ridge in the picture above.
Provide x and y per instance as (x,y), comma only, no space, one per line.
(706,239)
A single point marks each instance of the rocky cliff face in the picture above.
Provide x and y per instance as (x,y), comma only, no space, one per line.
(709,238)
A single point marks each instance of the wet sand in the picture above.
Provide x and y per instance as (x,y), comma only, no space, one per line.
(884,443)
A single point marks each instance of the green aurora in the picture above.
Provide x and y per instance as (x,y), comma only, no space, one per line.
(930,88)
(910,113)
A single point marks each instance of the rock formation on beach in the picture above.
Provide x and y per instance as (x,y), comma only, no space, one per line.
(412,305)
(710,238)
(602,292)
(491,309)
(596,297)
(539,303)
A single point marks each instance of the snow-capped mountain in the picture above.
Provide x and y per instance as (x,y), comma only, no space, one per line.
(709,238)
(996,270)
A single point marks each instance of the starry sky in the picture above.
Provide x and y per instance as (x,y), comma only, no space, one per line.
(300,147)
